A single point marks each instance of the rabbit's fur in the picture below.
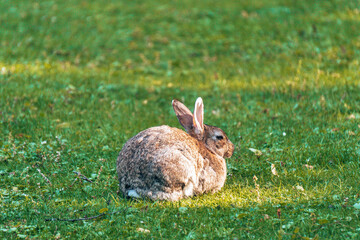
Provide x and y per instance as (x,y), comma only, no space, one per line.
(166,163)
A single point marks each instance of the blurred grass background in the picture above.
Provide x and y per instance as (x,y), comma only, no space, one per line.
(79,78)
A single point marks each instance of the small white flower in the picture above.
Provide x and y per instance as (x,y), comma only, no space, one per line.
(273,170)
(142,230)
(43,142)
(3,71)
(284,133)
(256,151)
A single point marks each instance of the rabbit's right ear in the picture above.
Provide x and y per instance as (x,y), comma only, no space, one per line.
(183,114)
(199,116)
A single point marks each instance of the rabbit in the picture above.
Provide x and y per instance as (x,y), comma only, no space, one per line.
(166,163)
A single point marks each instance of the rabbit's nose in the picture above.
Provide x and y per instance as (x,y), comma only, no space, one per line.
(230,150)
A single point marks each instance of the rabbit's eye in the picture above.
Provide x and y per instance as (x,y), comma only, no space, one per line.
(219,137)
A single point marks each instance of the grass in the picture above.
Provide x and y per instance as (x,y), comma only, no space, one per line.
(80,78)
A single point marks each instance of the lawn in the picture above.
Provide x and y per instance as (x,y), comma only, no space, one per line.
(280,77)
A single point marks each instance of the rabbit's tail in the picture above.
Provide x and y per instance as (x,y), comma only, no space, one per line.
(155,195)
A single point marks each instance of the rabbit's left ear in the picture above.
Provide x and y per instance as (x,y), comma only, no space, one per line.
(199,116)
(184,115)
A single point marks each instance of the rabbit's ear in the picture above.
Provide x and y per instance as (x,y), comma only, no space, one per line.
(199,116)
(183,114)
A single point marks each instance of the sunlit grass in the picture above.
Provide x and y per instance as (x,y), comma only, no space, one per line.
(300,79)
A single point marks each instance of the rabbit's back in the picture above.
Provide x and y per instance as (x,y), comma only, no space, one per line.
(158,161)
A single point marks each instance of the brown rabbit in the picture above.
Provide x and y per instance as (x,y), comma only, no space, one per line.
(166,163)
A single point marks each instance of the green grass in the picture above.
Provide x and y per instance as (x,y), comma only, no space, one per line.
(79,78)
